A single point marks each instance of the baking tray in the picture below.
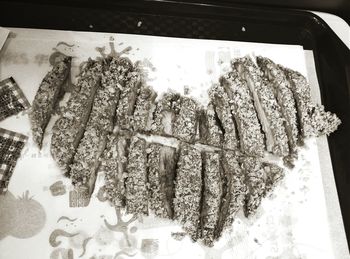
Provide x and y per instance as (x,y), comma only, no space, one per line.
(222,22)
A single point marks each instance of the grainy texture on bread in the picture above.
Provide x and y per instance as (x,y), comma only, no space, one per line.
(128,95)
(144,108)
(188,189)
(323,122)
(186,122)
(70,127)
(221,104)
(210,132)
(161,164)
(113,164)
(234,191)
(242,106)
(136,181)
(86,160)
(255,181)
(212,194)
(285,99)
(267,107)
(47,97)
(167,108)
(313,119)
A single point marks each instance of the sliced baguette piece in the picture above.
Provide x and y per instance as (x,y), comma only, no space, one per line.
(47,97)
(212,194)
(266,105)
(137,195)
(69,128)
(251,138)
(161,162)
(221,105)
(188,190)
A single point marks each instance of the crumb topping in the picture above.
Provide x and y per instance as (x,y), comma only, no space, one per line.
(69,128)
(47,97)
(188,189)
(186,122)
(285,99)
(211,196)
(274,122)
(209,129)
(136,181)
(221,103)
(242,107)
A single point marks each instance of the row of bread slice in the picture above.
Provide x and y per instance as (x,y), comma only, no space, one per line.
(256,106)
(199,187)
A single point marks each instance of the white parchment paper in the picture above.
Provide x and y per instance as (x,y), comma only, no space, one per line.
(300,219)
(3,36)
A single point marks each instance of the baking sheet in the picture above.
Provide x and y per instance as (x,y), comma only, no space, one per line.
(301,219)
